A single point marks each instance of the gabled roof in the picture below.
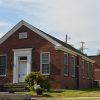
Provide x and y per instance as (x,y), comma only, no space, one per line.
(21,23)
(48,37)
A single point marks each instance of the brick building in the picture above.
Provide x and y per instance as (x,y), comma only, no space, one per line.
(96,67)
(25,49)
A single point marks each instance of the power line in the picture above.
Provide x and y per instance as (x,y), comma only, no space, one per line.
(82,47)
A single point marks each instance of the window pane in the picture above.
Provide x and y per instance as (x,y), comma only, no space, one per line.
(2,65)
(65,64)
(73,61)
(22,35)
(45,63)
(92,71)
(88,70)
(45,58)
(65,58)
(73,66)
(45,68)
(83,69)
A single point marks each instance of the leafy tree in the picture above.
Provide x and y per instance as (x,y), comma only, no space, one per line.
(33,77)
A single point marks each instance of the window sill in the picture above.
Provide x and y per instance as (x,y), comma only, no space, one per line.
(88,78)
(65,74)
(2,75)
(83,77)
(45,74)
(73,76)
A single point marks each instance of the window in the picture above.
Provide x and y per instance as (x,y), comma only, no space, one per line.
(23,35)
(92,71)
(45,63)
(2,65)
(88,70)
(73,66)
(23,58)
(65,64)
(82,68)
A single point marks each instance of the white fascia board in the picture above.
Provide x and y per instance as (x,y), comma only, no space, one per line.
(87,59)
(41,34)
(65,50)
(16,27)
(97,70)
(24,49)
(73,53)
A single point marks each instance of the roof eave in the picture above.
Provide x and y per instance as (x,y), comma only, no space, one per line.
(21,23)
(62,48)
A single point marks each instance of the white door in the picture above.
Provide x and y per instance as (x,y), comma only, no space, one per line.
(22,64)
(22,71)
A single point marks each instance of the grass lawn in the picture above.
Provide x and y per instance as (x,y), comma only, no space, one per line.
(63,93)
(91,92)
(83,99)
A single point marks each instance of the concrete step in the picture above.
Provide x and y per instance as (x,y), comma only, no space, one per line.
(14,96)
(12,87)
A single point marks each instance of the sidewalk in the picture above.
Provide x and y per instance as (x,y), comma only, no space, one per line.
(72,98)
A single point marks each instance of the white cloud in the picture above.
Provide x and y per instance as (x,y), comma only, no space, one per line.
(3,27)
(3,24)
(80,19)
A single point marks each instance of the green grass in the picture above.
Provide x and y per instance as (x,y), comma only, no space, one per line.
(83,99)
(63,93)
(74,93)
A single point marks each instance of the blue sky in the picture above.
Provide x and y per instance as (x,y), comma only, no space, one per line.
(80,19)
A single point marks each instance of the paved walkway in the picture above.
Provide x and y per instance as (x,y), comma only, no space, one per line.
(72,98)
(80,98)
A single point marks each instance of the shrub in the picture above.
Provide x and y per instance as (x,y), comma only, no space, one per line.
(29,80)
(43,81)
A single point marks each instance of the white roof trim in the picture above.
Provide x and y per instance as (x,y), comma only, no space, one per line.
(87,59)
(17,26)
(97,69)
(73,53)
(65,50)
(58,46)
(24,49)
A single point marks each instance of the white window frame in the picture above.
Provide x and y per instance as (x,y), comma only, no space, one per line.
(66,64)
(74,67)
(88,70)
(42,63)
(5,66)
(82,67)
(23,35)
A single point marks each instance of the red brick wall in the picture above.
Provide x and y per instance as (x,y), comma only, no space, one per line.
(85,82)
(96,67)
(39,44)
(68,80)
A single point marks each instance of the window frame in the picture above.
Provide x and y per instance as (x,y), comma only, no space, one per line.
(42,63)
(73,66)
(92,65)
(83,68)
(23,35)
(5,65)
(88,70)
(66,74)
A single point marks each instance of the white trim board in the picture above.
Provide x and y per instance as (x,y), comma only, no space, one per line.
(66,50)
(21,52)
